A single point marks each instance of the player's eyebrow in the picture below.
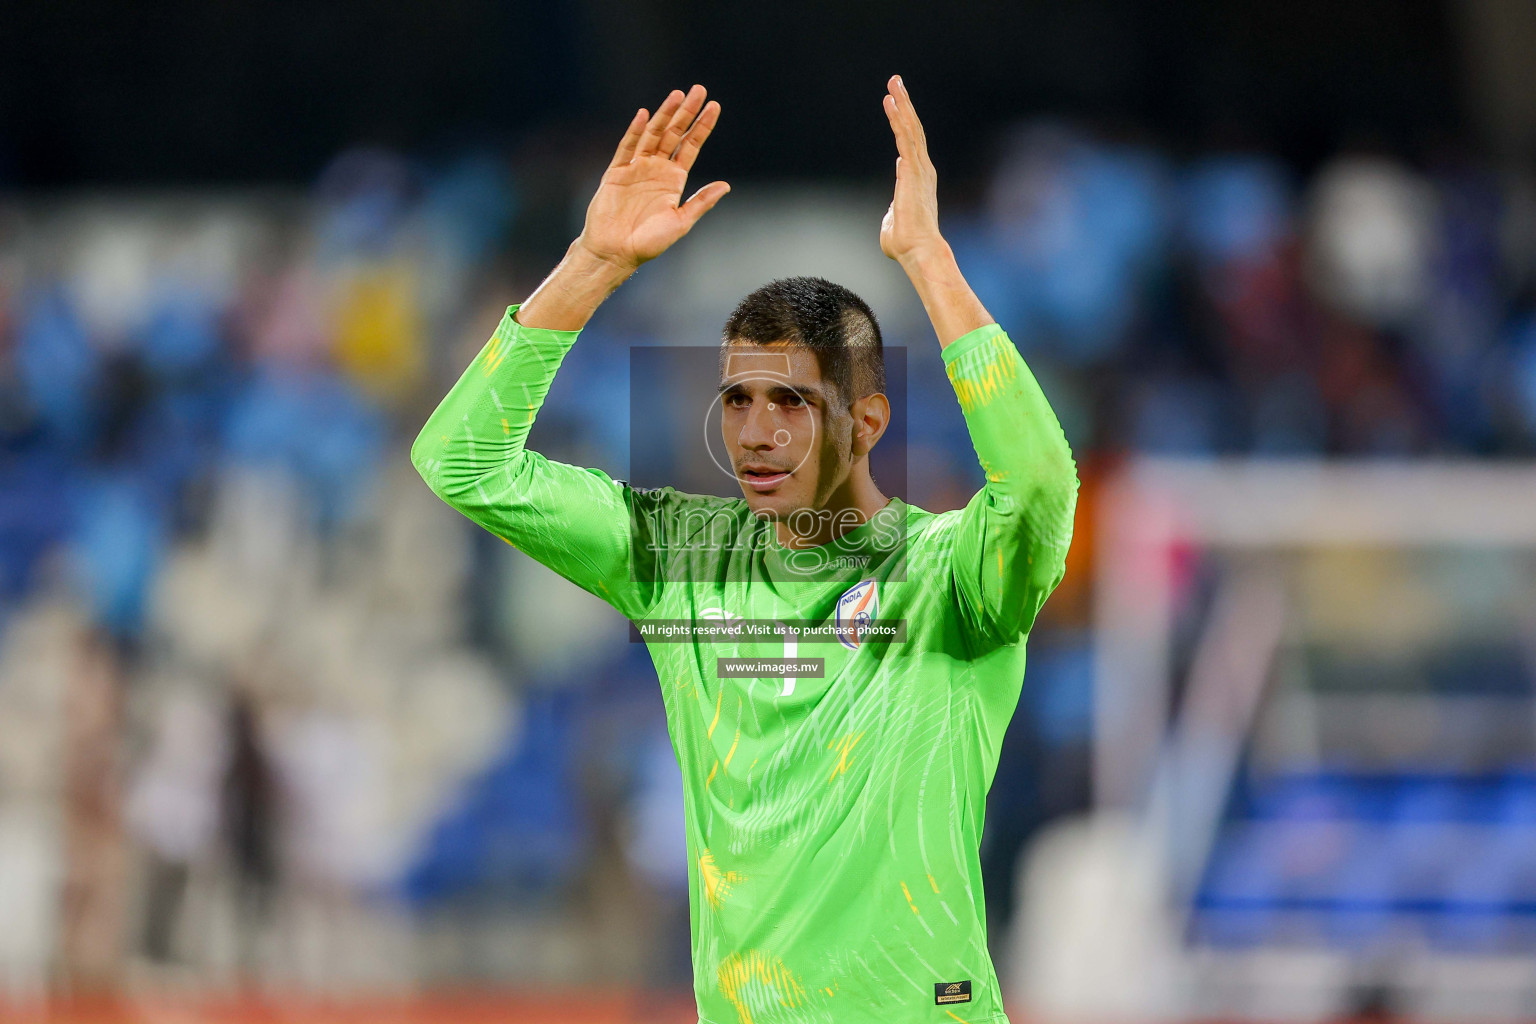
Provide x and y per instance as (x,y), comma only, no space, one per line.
(816,390)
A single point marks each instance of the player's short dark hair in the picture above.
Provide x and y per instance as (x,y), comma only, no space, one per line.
(824,317)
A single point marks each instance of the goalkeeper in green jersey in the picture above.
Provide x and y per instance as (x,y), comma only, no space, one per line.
(834,780)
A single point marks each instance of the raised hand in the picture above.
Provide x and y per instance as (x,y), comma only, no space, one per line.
(911,225)
(635,214)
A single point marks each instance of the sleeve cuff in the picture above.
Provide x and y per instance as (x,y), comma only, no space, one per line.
(512,327)
(963,344)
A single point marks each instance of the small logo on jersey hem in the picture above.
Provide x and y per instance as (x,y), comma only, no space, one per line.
(951,992)
(856,609)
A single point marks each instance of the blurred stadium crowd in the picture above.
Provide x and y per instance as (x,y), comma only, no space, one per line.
(268,710)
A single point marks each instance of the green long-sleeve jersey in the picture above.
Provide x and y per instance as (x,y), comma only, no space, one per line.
(833,820)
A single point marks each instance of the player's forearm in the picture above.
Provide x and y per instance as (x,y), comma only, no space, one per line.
(480,426)
(1018,438)
(1026,508)
(472,453)
(952,306)
(568,297)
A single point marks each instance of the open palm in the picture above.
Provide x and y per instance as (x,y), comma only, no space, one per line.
(635,214)
(911,223)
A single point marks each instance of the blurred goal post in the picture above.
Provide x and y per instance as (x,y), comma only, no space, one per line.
(1157,508)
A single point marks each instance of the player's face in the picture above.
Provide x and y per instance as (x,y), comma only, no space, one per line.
(788,435)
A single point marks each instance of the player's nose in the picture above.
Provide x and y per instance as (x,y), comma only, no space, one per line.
(758,428)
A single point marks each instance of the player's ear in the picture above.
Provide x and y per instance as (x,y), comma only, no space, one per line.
(871,415)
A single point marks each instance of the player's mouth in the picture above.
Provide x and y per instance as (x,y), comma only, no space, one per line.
(762,478)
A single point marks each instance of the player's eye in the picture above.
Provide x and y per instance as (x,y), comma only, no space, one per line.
(737,400)
(791,401)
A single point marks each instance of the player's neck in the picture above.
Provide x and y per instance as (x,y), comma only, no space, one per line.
(858,494)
